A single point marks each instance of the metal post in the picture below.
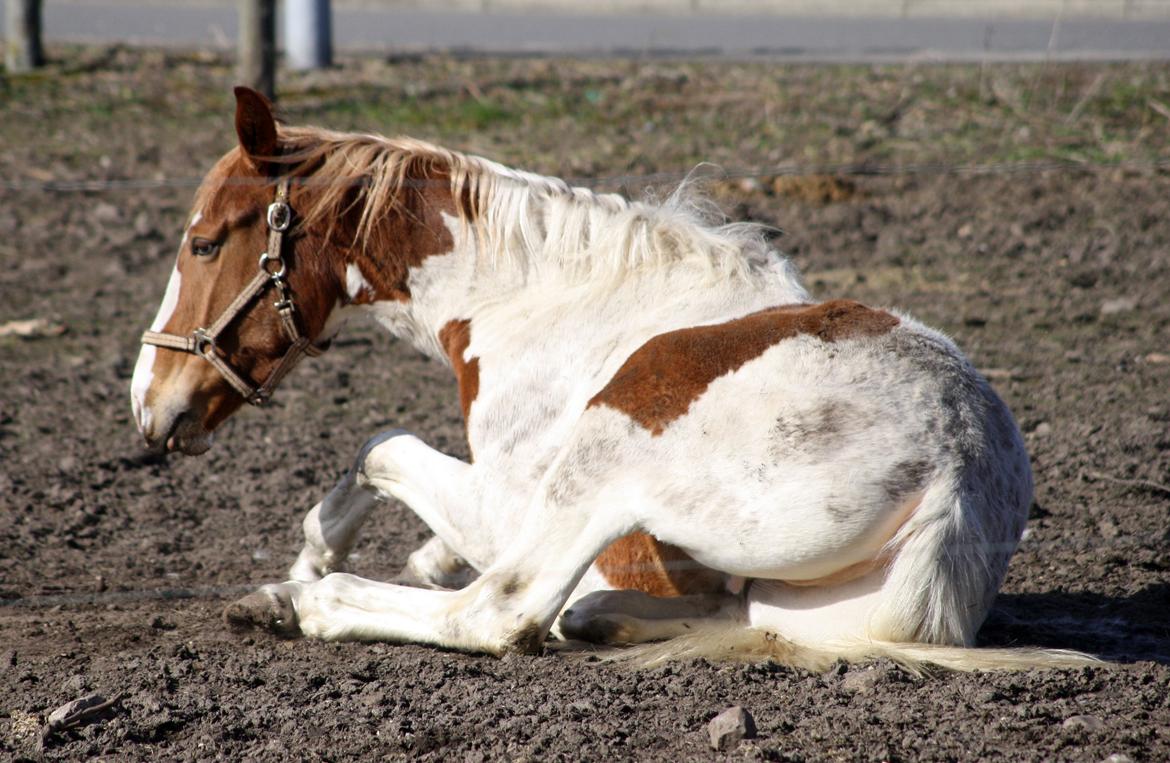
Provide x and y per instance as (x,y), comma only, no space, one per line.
(257,64)
(23,51)
(308,34)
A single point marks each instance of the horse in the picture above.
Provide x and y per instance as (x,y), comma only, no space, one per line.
(672,442)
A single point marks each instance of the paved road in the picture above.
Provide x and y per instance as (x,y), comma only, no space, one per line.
(801,38)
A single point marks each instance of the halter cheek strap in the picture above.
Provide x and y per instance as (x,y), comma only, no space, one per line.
(272,273)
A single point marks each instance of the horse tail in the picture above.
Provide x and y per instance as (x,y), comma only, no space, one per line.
(949,559)
(729,642)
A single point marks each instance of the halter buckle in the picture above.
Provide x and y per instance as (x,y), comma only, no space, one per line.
(279,215)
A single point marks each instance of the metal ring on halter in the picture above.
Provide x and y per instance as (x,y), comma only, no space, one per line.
(204,343)
(279,215)
(266,258)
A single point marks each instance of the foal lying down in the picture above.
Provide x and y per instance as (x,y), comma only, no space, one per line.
(669,435)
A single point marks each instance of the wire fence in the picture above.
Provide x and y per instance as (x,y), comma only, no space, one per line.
(850,169)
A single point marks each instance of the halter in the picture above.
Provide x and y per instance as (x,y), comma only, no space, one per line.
(202,341)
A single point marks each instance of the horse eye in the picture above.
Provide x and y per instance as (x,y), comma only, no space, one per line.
(203,247)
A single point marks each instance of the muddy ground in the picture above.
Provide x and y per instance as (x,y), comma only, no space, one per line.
(1053,273)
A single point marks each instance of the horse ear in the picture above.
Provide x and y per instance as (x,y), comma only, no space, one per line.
(255,125)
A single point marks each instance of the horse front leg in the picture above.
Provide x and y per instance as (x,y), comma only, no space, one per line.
(439,489)
(510,607)
(332,526)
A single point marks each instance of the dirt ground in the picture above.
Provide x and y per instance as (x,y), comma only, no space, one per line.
(114,566)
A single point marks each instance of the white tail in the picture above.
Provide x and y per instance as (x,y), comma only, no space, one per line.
(736,643)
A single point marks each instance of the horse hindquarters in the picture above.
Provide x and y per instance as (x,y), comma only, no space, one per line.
(873,488)
(946,562)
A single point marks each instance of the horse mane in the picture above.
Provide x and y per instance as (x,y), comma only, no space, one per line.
(521,219)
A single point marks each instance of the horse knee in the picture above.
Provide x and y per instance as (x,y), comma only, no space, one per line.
(370,459)
(435,565)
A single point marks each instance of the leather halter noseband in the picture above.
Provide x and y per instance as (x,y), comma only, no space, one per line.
(202,341)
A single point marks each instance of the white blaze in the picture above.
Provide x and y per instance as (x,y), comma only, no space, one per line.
(196,218)
(144,368)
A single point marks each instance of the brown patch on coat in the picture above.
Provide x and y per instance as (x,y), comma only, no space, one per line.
(380,201)
(658,383)
(641,562)
(401,241)
(455,336)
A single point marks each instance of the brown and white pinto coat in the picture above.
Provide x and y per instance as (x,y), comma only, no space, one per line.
(666,430)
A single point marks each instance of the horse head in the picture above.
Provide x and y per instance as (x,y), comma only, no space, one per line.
(250,293)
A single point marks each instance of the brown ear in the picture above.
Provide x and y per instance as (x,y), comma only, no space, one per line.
(255,125)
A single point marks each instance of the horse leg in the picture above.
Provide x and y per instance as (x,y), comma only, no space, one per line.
(435,565)
(631,617)
(510,607)
(331,527)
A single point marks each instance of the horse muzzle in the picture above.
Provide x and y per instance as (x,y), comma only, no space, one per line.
(179,433)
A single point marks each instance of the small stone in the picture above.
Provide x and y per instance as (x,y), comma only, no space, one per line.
(1087,722)
(863,681)
(1119,305)
(750,185)
(76,684)
(105,212)
(33,328)
(142,226)
(59,716)
(1118,757)
(1043,429)
(1158,357)
(966,230)
(727,729)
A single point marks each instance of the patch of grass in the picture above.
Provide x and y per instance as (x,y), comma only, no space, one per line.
(598,117)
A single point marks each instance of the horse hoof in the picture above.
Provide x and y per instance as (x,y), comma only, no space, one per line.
(264,610)
(595,628)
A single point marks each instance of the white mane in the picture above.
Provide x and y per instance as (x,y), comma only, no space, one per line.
(532,222)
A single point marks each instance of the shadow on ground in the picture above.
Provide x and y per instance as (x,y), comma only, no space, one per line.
(1121,629)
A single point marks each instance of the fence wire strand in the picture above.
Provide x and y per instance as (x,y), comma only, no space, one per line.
(846,169)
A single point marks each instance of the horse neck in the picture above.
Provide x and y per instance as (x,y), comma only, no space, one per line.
(502,277)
